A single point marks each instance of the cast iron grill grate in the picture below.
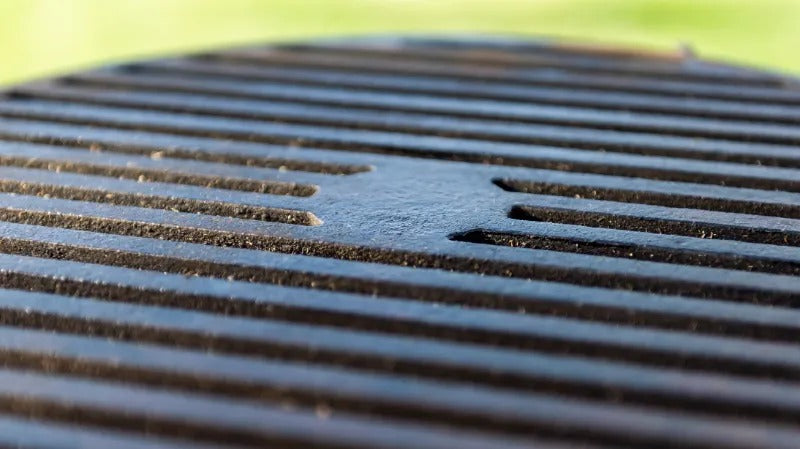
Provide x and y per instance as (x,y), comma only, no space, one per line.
(402,243)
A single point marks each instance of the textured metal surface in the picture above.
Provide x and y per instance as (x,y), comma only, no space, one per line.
(402,243)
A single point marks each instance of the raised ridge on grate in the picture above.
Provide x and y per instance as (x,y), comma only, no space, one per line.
(402,243)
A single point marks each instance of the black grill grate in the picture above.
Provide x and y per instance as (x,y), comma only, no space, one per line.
(402,243)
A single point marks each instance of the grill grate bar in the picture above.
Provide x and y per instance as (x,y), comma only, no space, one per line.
(400,144)
(167,146)
(666,133)
(497,402)
(556,79)
(449,64)
(182,228)
(352,277)
(768,112)
(276,93)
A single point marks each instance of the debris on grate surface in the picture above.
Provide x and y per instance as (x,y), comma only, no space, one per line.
(402,243)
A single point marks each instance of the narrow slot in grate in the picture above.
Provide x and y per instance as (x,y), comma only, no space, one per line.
(243,211)
(227,239)
(513,155)
(651,198)
(377,60)
(541,339)
(655,225)
(629,251)
(120,142)
(495,121)
(146,175)
(724,109)
(390,288)
(442,87)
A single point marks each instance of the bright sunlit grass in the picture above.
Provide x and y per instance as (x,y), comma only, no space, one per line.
(42,37)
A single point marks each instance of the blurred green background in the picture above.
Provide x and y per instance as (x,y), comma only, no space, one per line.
(43,37)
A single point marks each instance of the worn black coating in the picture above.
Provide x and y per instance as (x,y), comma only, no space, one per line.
(402,243)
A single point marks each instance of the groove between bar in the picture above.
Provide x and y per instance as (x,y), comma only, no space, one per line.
(405,290)
(494,115)
(571,165)
(578,245)
(158,376)
(175,204)
(594,348)
(403,258)
(376,61)
(651,198)
(586,98)
(150,175)
(84,142)
(596,82)
(654,225)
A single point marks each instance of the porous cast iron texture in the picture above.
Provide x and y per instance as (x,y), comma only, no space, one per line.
(402,243)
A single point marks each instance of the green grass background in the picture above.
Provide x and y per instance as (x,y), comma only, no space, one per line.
(44,37)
